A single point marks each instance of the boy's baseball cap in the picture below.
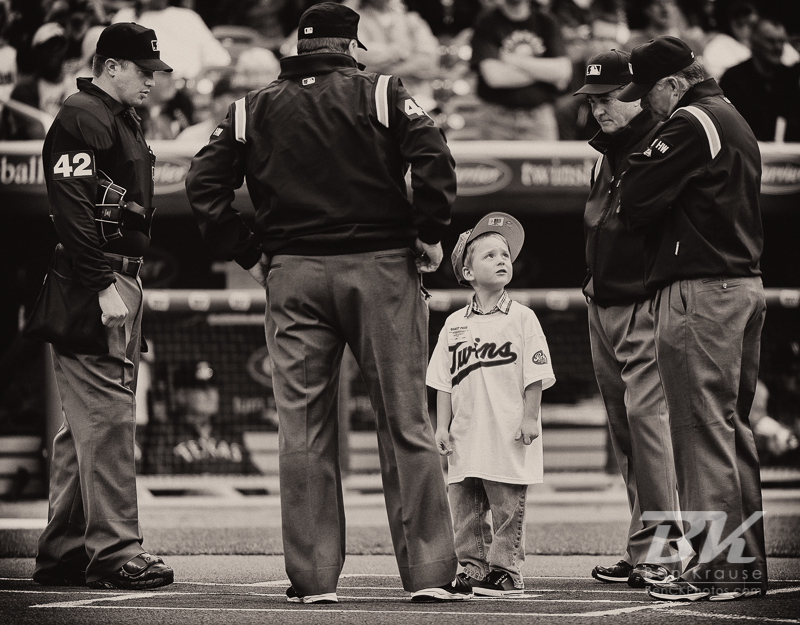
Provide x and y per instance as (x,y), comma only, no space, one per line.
(132,42)
(329,19)
(606,72)
(501,223)
(652,61)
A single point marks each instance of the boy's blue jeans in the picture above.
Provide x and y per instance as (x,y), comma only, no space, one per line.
(489,524)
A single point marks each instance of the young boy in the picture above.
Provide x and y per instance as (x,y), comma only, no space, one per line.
(489,367)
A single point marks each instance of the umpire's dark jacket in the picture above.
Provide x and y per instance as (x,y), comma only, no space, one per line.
(614,254)
(324,150)
(695,192)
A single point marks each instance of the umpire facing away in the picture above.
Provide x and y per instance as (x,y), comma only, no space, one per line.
(93,523)
(338,246)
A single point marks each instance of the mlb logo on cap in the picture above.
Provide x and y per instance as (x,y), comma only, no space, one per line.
(307,31)
(606,72)
(495,221)
(154,44)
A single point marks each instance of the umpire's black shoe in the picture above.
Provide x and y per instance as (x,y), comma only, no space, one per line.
(647,574)
(617,573)
(143,571)
(61,577)
(457,590)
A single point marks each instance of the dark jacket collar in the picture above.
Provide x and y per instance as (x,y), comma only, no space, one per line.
(87,86)
(705,89)
(637,129)
(323,63)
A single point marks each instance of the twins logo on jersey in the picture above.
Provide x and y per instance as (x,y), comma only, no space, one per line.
(468,358)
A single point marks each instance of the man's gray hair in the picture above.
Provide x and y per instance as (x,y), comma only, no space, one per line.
(323,44)
(689,76)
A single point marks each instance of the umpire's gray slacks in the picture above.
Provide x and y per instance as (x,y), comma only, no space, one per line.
(93,518)
(708,341)
(624,358)
(373,303)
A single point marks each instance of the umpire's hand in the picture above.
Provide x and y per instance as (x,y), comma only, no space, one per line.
(114,309)
(260,270)
(429,257)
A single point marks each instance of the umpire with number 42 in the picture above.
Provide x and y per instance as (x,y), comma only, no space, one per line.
(99,174)
(339,247)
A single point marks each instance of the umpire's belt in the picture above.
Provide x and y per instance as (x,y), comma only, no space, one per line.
(127,265)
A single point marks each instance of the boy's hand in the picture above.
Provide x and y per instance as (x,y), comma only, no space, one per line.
(527,432)
(443,442)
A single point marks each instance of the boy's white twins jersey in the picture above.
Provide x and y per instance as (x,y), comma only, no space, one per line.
(486,362)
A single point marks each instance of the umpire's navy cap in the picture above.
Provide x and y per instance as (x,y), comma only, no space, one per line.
(329,19)
(497,222)
(606,72)
(132,42)
(652,61)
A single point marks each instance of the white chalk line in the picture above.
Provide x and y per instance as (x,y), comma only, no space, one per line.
(326,610)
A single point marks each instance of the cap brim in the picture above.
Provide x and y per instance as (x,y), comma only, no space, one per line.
(596,89)
(153,65)
(635,91)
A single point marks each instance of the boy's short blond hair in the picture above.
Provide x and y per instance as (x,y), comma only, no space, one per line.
(469,252)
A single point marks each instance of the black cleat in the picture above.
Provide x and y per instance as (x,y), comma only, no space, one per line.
(617,573)
(139,573)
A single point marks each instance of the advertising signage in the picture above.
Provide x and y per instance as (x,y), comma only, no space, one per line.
(530,177)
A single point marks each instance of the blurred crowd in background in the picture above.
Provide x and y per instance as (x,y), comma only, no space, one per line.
(467,62)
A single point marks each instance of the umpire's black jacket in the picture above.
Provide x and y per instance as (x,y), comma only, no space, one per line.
(324,149)
(695,192)
(614,254)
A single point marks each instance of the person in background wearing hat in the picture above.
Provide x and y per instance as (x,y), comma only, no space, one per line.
(44,89)
(490,365)
(196,440)
(339,247)
(621,323)
(694,194)
(92,535)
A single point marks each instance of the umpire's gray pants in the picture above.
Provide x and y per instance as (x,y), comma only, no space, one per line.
(93,518)
(372,302)
(624,358)
(708,342)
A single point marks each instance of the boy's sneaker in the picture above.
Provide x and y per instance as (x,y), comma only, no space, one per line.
(619,572)
(677,590)
(497,584)
(293,597)
(458,590)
